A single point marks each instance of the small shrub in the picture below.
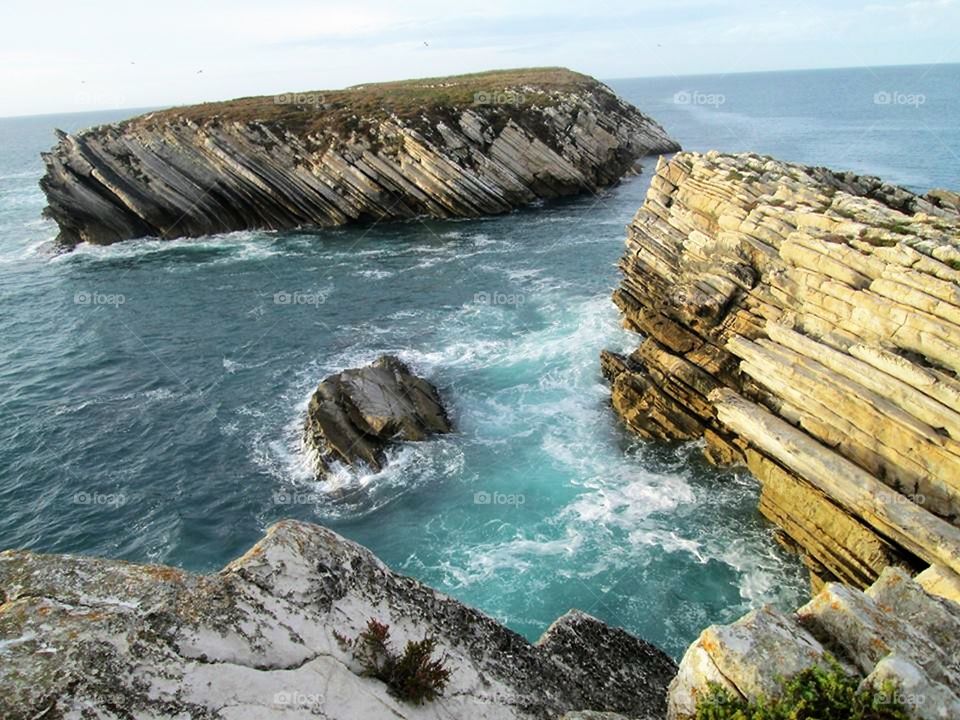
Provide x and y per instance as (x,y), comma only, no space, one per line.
(413,676)
(818,693)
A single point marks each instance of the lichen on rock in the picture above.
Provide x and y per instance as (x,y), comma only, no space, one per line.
(88,637)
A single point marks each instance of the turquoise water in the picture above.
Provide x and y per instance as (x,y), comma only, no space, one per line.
(151,392)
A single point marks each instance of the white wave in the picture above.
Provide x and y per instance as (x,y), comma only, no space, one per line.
(375,274)
(141,396)
(240,245)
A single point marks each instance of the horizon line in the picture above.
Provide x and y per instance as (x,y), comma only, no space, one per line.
(603,80)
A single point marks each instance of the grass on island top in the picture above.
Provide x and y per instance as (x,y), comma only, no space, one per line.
(325,109)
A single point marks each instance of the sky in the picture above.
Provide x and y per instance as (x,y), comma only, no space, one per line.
(60,56)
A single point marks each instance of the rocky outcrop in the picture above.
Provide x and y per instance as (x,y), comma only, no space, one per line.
(806,323)
(85,637)
(354,415)
(442,147)
(894,633)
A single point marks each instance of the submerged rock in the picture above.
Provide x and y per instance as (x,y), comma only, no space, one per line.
(354,415)
(806,324)
(88,637)
(894,632)
(440,147)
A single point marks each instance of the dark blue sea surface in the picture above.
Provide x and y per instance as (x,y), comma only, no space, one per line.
(151,393)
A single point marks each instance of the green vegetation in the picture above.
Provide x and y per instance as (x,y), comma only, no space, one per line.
(900,228)
(344,111)
(818,693)
(414,676)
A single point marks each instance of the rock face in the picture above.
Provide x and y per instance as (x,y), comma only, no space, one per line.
(355,415)
(895,631)
(84,637)
(442,147)
(806,323)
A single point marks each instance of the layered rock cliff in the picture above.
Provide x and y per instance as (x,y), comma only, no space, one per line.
(442,147)
(806,323)
(896,637)
(82,637)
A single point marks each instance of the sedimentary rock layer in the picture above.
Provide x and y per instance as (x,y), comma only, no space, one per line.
(84,637)
(806,323)
(895,633)
(354,415)
(442,147)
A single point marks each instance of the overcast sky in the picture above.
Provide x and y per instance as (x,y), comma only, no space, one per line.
(71,56)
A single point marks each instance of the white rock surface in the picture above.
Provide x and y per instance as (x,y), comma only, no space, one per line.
(83,637)
(894,631)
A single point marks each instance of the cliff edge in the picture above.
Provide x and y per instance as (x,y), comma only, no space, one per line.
(458,146)
(263,638)
(806,323)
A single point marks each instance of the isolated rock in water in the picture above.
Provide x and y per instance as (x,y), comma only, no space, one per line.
(87,637)
(806,324)
(441,147)
(354,415)
(895,632)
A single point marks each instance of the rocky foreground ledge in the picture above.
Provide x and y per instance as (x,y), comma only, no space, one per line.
(899,637)
(441,147)
(82,637)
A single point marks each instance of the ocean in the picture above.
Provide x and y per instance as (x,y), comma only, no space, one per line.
(151,393)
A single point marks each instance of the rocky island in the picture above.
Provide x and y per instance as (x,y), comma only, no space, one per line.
(441,147)
(354,415)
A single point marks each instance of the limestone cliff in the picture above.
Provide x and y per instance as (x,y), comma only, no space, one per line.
(82,637)
(806,323)
(895,634)
(441,147)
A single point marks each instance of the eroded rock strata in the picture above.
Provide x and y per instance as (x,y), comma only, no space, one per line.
(355,415)
(897,634)
(441,147)
(806,323)
(85,637)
